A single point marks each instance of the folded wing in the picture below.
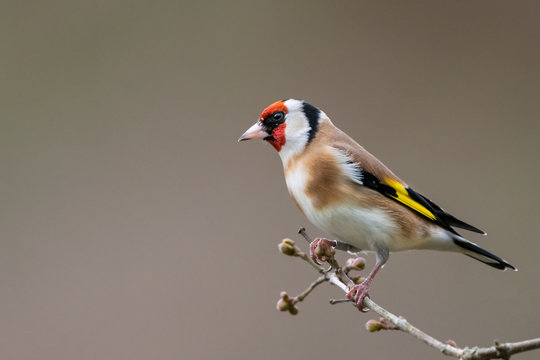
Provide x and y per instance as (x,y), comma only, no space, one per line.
(413,200)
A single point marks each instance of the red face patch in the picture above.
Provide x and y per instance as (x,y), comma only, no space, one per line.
(278,135)
(277,106)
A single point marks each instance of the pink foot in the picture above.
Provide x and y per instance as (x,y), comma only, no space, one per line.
(358,293)
(322,249)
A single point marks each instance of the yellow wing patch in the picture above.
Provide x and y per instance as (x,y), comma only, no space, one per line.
(403,197)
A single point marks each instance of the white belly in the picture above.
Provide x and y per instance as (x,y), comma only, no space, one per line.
(364,228)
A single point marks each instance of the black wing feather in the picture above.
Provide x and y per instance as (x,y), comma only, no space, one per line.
(440,213)
(442,218)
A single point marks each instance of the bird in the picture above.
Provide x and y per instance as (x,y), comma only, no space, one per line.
(346,191)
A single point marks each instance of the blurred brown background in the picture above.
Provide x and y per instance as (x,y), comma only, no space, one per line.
(134,226)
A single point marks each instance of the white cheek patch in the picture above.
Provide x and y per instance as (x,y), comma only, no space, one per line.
(296,136)
(298,128)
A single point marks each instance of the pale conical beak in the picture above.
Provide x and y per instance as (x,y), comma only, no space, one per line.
(255,132)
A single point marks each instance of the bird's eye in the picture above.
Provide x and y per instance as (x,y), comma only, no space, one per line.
(278,116)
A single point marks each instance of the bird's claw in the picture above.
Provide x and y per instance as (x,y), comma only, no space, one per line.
(322,249)
(358,293)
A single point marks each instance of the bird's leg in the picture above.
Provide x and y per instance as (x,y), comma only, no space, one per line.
(322,249)
(360,291)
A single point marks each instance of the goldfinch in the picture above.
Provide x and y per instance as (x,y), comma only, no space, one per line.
(343,189)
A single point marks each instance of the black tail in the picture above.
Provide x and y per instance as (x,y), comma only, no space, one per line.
(476,252)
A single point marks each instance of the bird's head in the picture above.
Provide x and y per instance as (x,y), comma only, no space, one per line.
(288,125)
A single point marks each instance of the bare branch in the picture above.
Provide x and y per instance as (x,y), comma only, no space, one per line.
(339,277)
(503,351)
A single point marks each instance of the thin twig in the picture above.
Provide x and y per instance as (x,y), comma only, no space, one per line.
(302,255)
(504,351)
(339,278)
(302,232)
(340,301)
(306,292)
(401,324)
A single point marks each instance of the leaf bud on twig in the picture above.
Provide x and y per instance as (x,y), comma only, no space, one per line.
(287,247)
(374,326)
(358,263)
